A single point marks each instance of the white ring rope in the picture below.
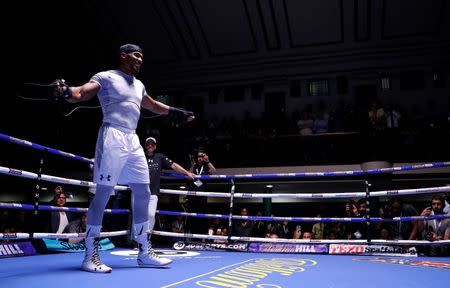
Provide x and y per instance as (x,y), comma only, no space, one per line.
(54,179)
(21,206)
(304,219)
(9,236)
(430,190)
(77,235)
(301,241)
(226,238)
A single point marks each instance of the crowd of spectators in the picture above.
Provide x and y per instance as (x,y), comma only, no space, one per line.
(14,221)
(378,131)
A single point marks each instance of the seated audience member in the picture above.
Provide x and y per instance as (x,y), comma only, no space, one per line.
(307,235)
(58,220)
(77,226)
(243,228)
(259,227)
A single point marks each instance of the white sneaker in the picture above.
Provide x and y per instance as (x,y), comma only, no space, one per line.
(95,266)
(151,259)
(92,262)
(147,256)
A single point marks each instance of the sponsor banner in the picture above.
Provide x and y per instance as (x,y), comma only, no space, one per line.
(409,262)
(13,249)
(376,250)
(346,249)
(63,246)
(239,246)
(288,248)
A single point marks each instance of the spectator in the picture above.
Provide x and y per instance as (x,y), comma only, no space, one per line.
(321,121)
(377,117)
(305,123)
(308,235)
(297,234)
(318,229)
(243,228)
(58,220)
(161,225)
(356,230)
(178,226)
(202,165)
(216,227)
(434,230)
(401,230)
(284,230)
(77,226)
(259,226)
(384,233)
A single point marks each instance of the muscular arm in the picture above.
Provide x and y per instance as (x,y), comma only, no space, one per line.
(154,106)
(180,169)
(84,92)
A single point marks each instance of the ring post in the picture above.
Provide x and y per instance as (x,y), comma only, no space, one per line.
(230,217)
(37,195)
(367,216)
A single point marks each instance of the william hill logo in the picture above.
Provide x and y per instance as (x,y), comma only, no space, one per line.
(10,250)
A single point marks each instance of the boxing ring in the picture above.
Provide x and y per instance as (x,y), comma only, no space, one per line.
(235,261)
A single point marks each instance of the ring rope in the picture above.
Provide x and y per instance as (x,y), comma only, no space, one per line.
(430,190)
(20,206)
(242,176)
(49,178)
(302,241)
(77,235)
(10,236)
(25,174)
(321,174)
(304,219)
(29,144)
(57,208)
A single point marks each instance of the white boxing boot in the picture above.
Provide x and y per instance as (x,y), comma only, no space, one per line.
(92,262)
(147,256)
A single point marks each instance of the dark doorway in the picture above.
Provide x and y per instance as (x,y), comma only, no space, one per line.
(275,109)
(364,95)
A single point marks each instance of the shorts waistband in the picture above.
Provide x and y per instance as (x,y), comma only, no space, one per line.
(120,128)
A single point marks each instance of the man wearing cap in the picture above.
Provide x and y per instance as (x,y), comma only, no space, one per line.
(119,155)
(156,162)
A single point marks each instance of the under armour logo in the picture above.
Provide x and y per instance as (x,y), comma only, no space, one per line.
(108,178)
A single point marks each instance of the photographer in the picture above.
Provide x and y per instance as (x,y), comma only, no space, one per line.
(401,230)
(357,230)
(202,166)
(435,229)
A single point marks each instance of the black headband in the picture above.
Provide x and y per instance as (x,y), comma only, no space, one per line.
(129,48)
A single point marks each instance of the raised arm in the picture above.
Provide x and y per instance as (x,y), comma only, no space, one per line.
(75,94)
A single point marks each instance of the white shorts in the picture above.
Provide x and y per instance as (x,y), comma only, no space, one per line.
(119,158)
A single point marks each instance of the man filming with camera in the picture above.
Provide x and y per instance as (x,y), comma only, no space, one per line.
(435,229)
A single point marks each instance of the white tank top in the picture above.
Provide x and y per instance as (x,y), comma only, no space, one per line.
(120,96)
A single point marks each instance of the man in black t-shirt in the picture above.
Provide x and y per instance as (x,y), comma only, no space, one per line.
(156,162)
